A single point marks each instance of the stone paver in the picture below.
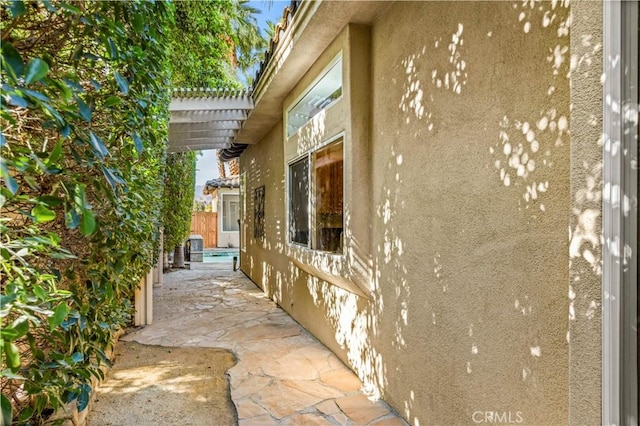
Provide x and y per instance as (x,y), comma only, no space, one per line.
(361,410)
(283,375)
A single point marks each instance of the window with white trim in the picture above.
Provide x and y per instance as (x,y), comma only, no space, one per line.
(230,212)
(324,93)
(316,198)
(243,210)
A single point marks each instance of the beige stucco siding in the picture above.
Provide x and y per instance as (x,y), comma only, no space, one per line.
(473,274)
(266,261)
(585,291)
(458,206)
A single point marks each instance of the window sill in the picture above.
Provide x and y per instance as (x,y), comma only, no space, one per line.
(330,267)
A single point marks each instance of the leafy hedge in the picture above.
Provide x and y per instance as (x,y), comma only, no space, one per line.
(202,44)
(180,180)
(84,123)
(202,55)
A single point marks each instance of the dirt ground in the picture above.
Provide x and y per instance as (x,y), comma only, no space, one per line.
(158,385)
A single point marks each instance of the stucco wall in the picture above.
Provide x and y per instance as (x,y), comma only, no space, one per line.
(585,312)
(266,261)
(473,256)
(466,161)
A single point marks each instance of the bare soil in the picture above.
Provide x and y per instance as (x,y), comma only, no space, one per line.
(158,385)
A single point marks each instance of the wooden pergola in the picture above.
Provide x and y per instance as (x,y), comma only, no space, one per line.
(203,119)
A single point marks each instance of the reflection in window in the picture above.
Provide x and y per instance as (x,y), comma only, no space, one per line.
(230,212)
(327,90)
(328,174)
(320,228)
(299,201)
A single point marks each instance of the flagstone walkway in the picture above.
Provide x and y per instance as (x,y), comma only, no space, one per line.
(283,374)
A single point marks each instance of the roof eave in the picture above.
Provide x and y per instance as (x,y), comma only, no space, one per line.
(313,27)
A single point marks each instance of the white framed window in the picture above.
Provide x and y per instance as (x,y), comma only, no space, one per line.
(316,198)
(243,211)
(322,150)
(230,212)
(323,93)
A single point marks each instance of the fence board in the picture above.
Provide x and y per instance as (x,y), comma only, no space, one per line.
(205,224)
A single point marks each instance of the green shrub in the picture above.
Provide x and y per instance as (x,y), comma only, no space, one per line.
(84,118)
(180,179)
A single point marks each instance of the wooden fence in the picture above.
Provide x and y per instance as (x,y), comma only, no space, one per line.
(205,224)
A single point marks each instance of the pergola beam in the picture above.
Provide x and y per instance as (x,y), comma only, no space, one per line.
(203,119)
(211,104)
(212,133)
(197,116)
(197,147)
(186,141)
(205,125)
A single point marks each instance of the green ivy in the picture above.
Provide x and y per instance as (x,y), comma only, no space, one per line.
(201,55)
(202,46)
(178,197)
(84,113)
(84,116)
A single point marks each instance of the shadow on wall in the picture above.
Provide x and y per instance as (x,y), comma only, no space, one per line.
(526,144)
(523,150)
(419,94)
(522,159)
(271,278)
